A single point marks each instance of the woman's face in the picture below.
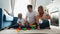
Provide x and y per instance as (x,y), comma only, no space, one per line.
(40,10)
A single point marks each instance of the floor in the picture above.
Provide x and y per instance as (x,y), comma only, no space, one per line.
(14,31)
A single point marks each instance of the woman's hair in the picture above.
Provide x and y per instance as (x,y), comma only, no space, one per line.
(40,7)
(40,10)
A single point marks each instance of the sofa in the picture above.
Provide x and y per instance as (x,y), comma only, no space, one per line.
(6,20)
(0,18)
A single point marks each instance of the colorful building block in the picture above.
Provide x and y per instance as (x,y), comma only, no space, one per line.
(28,28)
(18,29)
(32,28)
(23,28)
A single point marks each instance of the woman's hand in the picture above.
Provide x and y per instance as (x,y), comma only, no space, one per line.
(38,27)
(48,16)
(42,18)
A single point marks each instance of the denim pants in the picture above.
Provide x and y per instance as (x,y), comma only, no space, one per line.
(45,24)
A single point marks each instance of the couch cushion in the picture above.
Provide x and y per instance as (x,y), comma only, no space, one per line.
(6,24)
(9,18)
(4,17)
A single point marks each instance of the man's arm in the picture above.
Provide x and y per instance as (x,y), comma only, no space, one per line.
(26,20)
(36,17)
(37,21)
(26,17)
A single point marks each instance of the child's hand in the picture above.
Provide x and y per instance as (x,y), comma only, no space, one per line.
(19,24)
(25,22)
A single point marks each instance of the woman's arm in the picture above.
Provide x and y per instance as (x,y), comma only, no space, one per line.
(48,16)
(37,19)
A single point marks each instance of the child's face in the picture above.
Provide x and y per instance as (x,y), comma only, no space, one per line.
(40,10)
(20,16)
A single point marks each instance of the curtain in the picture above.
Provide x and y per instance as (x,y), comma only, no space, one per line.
(33,2)
(12,6)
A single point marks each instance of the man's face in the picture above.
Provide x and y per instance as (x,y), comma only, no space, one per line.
(30,9)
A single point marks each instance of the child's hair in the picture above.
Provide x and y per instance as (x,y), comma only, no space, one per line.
(20,14)
(29,6)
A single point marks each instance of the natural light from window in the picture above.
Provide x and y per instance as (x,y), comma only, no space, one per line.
(21,7)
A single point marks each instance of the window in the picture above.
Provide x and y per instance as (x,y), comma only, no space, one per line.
(21,7)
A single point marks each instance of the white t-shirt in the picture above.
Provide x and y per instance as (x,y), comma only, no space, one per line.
(41,21)
(21,21)
(31,16)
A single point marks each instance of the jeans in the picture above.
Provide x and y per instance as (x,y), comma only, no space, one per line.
(45,24)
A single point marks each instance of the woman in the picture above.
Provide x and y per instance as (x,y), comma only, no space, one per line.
(43,19)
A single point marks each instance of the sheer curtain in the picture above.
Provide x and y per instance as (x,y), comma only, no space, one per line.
(21,7)
(33,2)
(12,6)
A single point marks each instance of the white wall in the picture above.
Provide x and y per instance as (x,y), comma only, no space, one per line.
(6,4)
(21,7)
(0,4)
(44,3)
(55,4)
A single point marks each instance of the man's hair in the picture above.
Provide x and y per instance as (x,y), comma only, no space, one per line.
(29,6)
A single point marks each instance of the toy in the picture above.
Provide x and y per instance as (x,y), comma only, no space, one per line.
(28,28)
(18,29)
(23,28)
(32,28)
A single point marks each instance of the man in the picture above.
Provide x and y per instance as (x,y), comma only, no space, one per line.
(31,15)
